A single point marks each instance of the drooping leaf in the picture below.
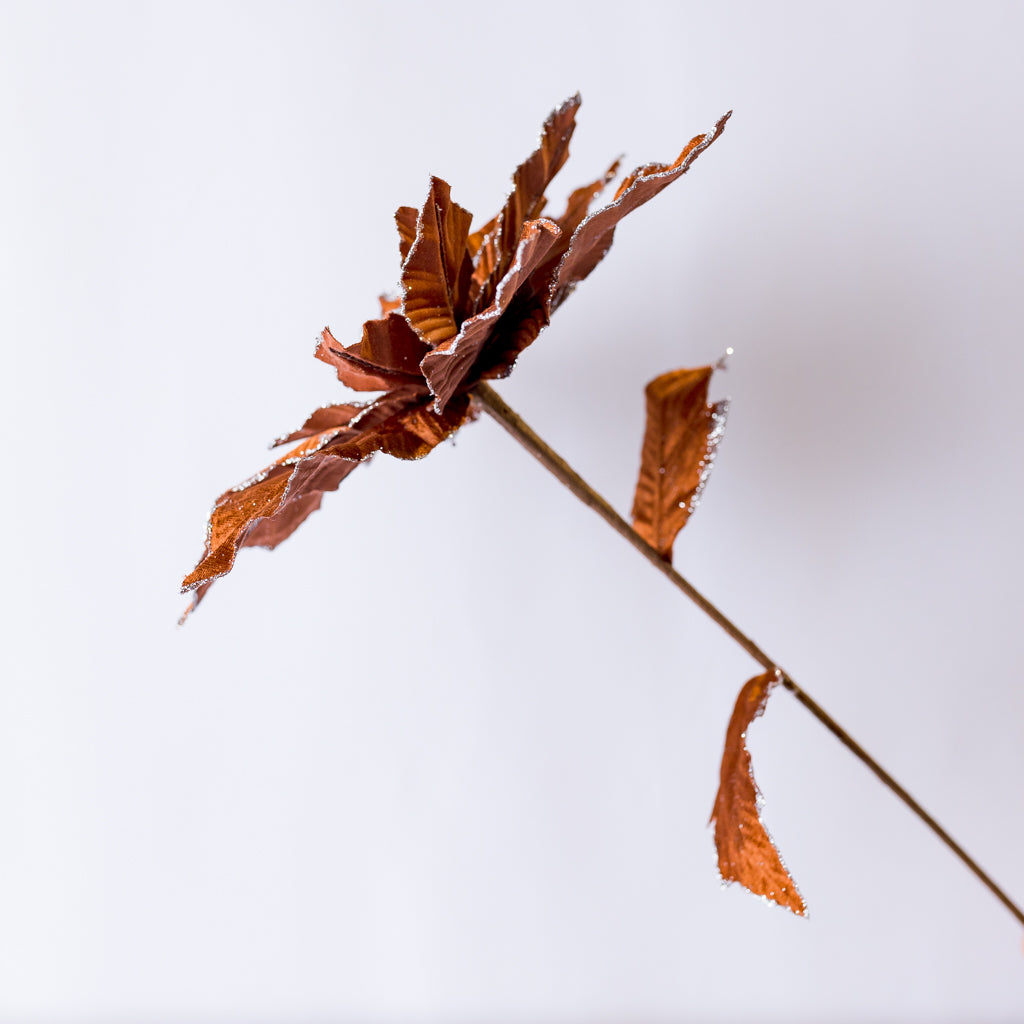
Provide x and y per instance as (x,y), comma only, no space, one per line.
(268,508)
(310,479)
(746,853)
(230,520)
(680,441)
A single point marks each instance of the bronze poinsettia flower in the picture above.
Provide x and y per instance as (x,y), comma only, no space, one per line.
(471,302)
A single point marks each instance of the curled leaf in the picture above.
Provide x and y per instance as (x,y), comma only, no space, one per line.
(388,355)
(746,853)
(680,441)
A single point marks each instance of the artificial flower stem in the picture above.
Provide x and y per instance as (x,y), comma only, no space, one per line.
(514,424)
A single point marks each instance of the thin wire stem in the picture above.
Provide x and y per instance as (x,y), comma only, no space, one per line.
(515,425)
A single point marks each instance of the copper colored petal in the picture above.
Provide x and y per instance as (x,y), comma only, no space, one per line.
(409,434)
(476,239)
(680,439)
(578,205)
(354,370)
(435,274)
(392,344)
(230,520)
(387,355)
(493,246)
(593,238)
(389,303)
(262,515)
(405,219)
(312,477)
(448,365)
(746,853)
(288,489)
(543,276)
(518,328)
(253,513)
(483,245)
(532,177)
(322,419)
(310,444)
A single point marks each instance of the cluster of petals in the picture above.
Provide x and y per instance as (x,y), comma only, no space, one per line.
(471,302)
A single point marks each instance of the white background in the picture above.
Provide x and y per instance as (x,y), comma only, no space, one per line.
(449,753)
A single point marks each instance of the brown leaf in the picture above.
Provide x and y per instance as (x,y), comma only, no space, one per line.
(593,238)
(529,312)
(353,371)
(493,246)
(409,434)
(435,274)
(578,204)
(387,356)
(476,239)
(231,518)
(392,344)
(482,246)
(268,508)
(532,177)
(448,365)
(324,418)
(746,853)
(262,514)
(679,446)
(516,330)
(405,220)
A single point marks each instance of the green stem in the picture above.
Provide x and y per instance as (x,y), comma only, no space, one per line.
(514,424)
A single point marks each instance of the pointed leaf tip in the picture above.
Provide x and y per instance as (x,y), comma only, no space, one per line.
(746,853)
(593,238)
